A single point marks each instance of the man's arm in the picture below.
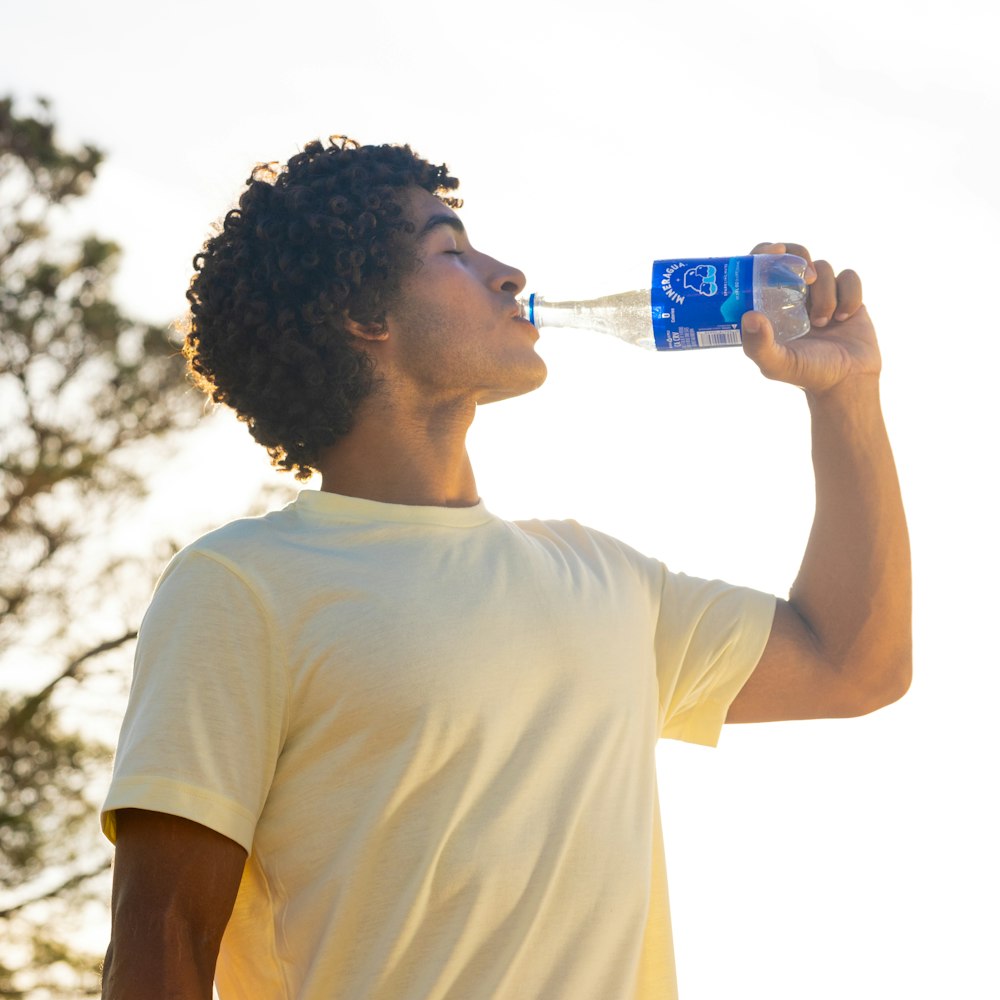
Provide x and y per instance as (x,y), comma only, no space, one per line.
(841,645)
(175,883)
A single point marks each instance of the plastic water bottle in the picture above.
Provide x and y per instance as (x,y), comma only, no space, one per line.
(691,303)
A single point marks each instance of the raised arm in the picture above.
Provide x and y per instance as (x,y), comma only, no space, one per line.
(175,883)
(841,644)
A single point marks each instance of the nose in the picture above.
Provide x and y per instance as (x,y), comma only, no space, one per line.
(508,279)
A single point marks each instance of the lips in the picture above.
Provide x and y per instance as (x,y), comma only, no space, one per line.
(531,326)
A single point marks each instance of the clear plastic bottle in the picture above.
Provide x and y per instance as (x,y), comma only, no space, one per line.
(691,303)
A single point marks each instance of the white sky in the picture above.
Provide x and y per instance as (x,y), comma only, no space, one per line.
(819,860)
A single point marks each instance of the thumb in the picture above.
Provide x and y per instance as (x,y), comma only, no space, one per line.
(759,344)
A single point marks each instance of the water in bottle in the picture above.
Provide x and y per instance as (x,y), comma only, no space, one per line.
(691,303)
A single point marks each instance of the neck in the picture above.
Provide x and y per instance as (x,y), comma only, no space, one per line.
(395,454)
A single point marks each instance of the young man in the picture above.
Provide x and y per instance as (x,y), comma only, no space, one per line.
(383,744)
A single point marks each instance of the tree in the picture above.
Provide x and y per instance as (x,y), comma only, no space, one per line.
(82,387)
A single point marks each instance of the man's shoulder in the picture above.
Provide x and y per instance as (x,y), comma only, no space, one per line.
(235,539)
(566,527)
(245,546)
(585,541)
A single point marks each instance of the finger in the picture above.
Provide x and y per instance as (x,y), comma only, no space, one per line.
(822,294)
(759,344)
(793,248)
(848,294)
(800,251)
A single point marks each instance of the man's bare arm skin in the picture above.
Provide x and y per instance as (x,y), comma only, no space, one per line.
(175,883)
(841,645)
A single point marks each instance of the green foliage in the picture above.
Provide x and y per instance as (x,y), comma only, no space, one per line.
(82,386)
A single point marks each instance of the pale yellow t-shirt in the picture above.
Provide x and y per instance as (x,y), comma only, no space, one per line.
(433,731)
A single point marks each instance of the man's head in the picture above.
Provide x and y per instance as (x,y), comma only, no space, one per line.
(313,246)
(453,337)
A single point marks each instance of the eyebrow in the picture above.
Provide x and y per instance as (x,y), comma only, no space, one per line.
(441,220)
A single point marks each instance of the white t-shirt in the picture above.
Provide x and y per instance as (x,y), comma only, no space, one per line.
(433,731)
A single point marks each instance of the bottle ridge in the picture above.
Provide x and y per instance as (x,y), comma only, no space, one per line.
(690,303)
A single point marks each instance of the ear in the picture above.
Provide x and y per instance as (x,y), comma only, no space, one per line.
(366,331)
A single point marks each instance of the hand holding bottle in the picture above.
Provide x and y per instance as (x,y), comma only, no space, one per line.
(841,344)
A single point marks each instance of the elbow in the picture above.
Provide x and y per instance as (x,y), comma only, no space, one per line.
(891,679)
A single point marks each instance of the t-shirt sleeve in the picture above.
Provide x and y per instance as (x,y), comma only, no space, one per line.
(709,638)
(206,715)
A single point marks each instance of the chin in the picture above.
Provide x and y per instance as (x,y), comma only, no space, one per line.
(527,383)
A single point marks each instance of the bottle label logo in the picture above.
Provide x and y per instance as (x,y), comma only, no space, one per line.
(699,302)
(700,279)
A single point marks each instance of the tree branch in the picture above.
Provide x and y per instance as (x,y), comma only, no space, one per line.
(71,882)
(30,705)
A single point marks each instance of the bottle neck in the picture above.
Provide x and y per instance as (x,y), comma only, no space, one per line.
(570,314)
(604,314)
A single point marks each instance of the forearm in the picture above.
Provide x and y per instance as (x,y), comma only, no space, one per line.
(853,589)
(149,963)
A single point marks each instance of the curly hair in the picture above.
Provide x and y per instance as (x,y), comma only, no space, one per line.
(312,243)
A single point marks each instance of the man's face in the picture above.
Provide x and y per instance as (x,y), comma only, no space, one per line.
(454,332)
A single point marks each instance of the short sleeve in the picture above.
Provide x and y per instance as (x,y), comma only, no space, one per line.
(206,715)
(709,638)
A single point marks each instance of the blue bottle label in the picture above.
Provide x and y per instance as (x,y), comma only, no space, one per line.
(698,302)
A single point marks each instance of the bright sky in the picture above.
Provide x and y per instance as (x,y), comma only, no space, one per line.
(819,860)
